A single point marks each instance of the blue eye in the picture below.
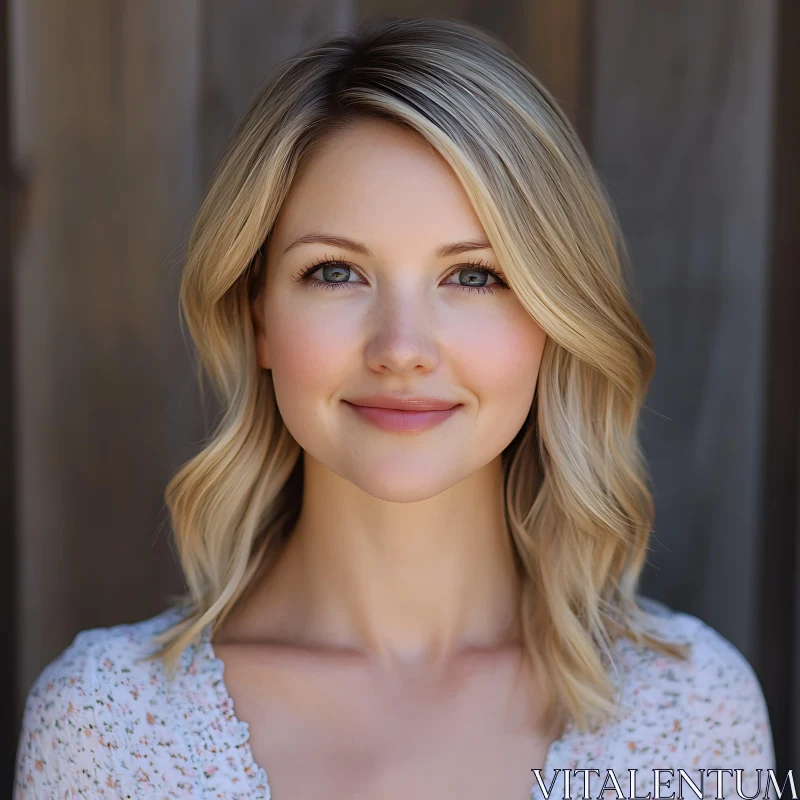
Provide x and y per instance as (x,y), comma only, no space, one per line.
(477,278)
(336,274)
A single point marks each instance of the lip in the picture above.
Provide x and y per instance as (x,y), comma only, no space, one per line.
(403,403)
(413,416)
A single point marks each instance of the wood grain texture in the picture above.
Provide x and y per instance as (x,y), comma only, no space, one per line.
(779,608)
(107,140)
(681,134)
(556,44)
(241,42)
(8,522)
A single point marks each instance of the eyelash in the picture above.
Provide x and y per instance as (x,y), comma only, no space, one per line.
(479,265)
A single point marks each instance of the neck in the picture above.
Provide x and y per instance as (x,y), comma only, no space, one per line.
(409,584)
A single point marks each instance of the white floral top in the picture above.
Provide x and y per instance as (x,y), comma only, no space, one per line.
(100,723)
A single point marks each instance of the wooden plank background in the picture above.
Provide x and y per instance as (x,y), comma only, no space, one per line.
(119,112)
(8,625)
(106,138)
(779,639)
(681,133)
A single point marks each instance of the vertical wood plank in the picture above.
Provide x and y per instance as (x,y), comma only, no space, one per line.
(8,624)
(108,141)
(242,41)
(557,46)
(681,134)
(456,9)
(779,609)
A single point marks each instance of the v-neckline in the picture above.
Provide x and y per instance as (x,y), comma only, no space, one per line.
(241,729)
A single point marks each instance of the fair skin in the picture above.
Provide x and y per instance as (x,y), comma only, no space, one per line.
(381,656)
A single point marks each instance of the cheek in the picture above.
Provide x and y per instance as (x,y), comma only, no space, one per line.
(309,348)
(501,353)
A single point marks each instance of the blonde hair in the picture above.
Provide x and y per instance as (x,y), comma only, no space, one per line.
(577,504)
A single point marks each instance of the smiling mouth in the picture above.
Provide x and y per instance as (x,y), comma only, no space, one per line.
(400,420)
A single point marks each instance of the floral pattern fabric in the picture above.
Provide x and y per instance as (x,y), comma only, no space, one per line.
(100,722)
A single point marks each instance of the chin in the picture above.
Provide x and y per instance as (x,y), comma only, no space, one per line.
(412,484)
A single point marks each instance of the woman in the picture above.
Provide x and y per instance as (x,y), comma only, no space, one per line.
(413,542)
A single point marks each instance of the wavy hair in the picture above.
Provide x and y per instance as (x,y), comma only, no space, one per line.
(577,502)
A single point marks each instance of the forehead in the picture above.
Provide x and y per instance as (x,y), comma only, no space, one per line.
(381,183)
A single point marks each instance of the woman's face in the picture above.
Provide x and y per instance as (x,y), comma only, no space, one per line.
(396,315)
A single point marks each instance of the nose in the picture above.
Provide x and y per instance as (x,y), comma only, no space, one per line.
(404,340)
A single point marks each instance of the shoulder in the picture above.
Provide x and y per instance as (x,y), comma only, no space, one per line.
(709,708)
(82,711)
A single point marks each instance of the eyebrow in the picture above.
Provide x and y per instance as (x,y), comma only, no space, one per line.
(357,247)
